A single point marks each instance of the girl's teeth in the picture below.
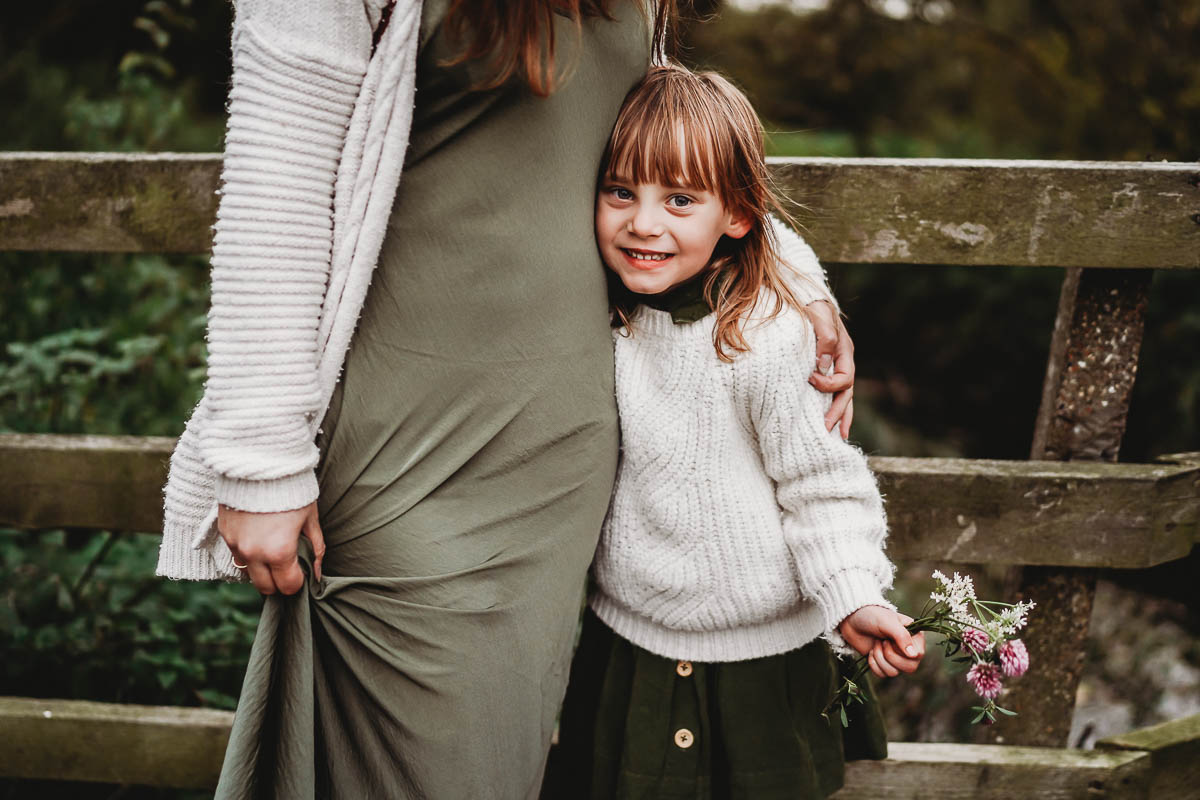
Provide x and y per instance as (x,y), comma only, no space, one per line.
(648,256)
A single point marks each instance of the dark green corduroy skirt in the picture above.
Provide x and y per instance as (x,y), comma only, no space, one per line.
(635,725)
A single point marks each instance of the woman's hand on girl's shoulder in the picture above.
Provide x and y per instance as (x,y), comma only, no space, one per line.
(265,545)
(834,347)
(879,634)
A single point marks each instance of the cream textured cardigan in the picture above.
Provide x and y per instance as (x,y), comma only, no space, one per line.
(318,127)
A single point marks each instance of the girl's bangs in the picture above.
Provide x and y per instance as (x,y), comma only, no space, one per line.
(657,146)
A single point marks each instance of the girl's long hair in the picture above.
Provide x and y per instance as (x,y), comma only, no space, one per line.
(517,37)
(687,129)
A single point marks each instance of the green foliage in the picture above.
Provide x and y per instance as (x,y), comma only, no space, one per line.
(972,78)
(100,344)
(91,620)
(105,76)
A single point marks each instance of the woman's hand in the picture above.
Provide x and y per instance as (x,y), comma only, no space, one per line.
(267,544)
(879,634)
(833,347)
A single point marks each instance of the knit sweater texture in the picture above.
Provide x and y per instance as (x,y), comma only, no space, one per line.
(739,527)
(319,118)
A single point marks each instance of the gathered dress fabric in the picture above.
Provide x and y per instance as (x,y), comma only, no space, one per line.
(466,458)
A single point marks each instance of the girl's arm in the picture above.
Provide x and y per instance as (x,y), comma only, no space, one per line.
(297,69)
(831,509)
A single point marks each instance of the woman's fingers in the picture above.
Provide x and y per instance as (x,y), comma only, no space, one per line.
(288,576)
(833,340)
(260,576)
(312,532)
(841,410)
(837,382)
(848,417)
(823,318)
(266,544)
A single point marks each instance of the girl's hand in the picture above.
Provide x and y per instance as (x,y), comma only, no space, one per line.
(879,634)
(267,544)
(833,347)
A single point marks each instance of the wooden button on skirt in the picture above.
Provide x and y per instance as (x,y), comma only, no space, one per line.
(634,725)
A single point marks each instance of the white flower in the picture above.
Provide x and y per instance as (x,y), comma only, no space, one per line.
(957,593)
(1012,619)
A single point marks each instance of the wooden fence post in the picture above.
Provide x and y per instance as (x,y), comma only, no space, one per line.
(1085,400)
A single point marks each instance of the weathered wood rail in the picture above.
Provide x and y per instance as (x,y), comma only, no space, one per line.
(969,511)
(857,211)
(1058,519)
(183,748)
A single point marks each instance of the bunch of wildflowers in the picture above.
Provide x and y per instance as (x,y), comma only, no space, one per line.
(979,632)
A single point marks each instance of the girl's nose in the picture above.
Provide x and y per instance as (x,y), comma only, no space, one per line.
(645,223)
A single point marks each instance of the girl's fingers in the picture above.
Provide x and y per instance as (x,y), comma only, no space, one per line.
(880,659)
(897,659)
(892,628)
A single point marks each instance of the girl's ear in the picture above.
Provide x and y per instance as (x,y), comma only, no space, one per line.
(737,226)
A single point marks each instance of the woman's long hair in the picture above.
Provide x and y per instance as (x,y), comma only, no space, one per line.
(681,128)
(517,37)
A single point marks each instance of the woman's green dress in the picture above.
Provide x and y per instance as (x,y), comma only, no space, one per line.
(467,456)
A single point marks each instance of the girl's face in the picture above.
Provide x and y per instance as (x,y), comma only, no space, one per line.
(656,237)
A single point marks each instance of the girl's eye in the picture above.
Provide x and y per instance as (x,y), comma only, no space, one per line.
(621,193)
(680,201)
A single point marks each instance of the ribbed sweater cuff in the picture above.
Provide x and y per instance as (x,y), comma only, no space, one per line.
(264,496)
(844,593)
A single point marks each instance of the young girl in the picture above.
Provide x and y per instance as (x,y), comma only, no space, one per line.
(742,539)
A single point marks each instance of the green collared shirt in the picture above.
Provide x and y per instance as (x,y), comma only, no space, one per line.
(685,302)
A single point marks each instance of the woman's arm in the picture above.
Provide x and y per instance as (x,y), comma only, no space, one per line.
(834,346)
(297,69)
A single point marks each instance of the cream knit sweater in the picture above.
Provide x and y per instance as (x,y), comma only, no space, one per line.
(318,127)
(738,527)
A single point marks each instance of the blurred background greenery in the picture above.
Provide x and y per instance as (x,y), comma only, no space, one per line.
(950,361)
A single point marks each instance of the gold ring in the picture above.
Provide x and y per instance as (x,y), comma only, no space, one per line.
(239,566)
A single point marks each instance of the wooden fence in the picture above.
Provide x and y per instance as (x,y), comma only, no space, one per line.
(1058,517)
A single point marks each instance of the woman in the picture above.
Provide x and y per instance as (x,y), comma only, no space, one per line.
(450,485)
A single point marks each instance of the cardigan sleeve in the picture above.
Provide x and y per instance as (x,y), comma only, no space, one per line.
(830,507)
(297,70)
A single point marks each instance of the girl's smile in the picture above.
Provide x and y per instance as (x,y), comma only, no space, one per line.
(656,236)
(645,259)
